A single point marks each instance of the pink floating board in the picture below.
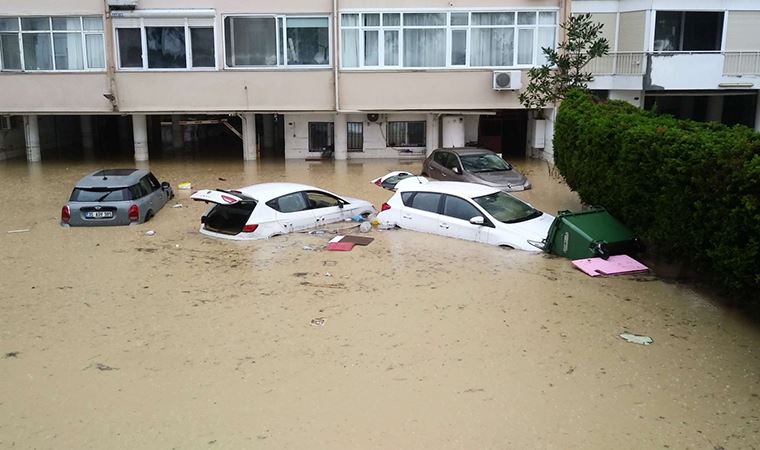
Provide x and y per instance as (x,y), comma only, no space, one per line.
(615,265)
(340,246)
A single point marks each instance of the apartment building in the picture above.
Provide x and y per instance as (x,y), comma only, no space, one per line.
(695,60)
(291,78)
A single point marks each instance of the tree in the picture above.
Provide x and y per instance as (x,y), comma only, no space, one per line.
(564,67)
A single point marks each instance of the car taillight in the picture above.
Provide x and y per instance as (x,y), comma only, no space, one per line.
(65,214)
(385,207)
(379,182)
(250,228)
(134,213)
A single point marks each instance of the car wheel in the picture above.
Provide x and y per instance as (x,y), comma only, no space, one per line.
(506,247)
(148,215)
(423,174)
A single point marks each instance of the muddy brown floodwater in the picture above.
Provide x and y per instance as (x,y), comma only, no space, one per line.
(114,339)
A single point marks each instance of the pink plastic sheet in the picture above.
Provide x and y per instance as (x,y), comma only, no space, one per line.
(615,265)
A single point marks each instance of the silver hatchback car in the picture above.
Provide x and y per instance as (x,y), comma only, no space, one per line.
(115,197)
(474,165)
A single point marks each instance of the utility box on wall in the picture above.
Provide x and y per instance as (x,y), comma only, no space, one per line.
(539,133)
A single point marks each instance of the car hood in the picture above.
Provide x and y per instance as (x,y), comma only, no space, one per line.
(501,178)
(530,230)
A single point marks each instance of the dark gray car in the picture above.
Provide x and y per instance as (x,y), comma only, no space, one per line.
(115,197)
(475,165)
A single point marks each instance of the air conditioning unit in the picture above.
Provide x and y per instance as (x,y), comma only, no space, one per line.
(508,80)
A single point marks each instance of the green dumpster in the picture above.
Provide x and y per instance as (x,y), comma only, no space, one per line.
(588,234)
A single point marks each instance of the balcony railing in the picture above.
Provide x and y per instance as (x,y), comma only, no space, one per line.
(621,63)
(741,63)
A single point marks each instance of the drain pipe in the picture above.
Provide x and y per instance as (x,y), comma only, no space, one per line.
(336,59)
(112,94)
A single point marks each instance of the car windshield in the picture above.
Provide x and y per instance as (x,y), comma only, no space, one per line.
(391,181)
(484,162)
(100,195)
(505,208)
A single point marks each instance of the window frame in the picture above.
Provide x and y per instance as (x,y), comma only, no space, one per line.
(281,30)
(682,31)
(405,145)
(155,22)
(329,126)
(448,32)
(82,32)
(360,138)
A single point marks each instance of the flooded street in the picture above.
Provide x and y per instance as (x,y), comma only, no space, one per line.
(114,339)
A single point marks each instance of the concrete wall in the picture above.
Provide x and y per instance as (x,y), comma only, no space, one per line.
(635,98)
(54,92)
(12,141)
(743,31)
(414,90)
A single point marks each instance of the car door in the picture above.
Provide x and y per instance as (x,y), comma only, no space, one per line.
(436,166)
(455,220)
(452,168)
(160,197)
(421,212)
(325,207)
(292,212)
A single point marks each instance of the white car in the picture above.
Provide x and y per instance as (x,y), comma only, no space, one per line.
(269,209)
(466,211)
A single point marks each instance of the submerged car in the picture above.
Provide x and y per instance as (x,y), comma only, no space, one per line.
(469,211)
(269,209)
(115,197)
(474,165)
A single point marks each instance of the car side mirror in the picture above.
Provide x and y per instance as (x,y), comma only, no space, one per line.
(455,170)
(165,185)
(340,205)
(478,220)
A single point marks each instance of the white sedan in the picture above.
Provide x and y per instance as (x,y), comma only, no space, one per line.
(268,209)
(466,211)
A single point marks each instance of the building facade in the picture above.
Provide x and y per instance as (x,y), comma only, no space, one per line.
(295,79)
(693,60)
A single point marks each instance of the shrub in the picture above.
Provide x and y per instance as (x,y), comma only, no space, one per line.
(691,190)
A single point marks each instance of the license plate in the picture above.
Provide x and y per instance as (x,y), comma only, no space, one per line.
(100,214)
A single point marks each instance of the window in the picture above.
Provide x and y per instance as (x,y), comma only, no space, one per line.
(165,43)
(51,43)
(355,132)
(406,134)
(426,201)
(320,136)
(677,31)
(262,41)
(289,203)
(440,39)
(459,208)
(321,200)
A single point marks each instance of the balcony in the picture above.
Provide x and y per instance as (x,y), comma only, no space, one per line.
(676,70)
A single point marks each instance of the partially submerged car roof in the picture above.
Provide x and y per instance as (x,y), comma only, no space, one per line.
(111,178)
(467,150)
(464,189)
(267,191)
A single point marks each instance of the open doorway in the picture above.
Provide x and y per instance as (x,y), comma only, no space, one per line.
(270,134)
(505,133)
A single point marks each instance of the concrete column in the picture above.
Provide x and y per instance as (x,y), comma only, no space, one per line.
(340,137)
(249,136)
(757,112)
(88,138)
(32,136)
(140,135)
(178,138)
(432,133)
(453,131)
(715,108)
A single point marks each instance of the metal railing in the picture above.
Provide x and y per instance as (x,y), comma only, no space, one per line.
(741,63)
(620,63)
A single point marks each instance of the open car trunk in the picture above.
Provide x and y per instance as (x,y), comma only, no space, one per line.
(230,213)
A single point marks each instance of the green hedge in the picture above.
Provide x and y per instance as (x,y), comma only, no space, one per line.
(691,190)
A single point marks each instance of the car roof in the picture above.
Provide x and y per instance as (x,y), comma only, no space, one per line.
(459,188)
(465,150)
(268,191)
(111,178)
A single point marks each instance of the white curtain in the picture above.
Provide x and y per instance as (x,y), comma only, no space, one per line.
(371,57)
(391,48)
(525,46)
(254,40)
(424,47)
(94,46)
(350,48)
(492,47)
(37,52)
(68,51)
(545,39)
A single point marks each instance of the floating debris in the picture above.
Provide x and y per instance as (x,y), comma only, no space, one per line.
(317,321)
(24,230)
(178,205)
(150,233)
(11,355)
(637,339)
(185,186)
